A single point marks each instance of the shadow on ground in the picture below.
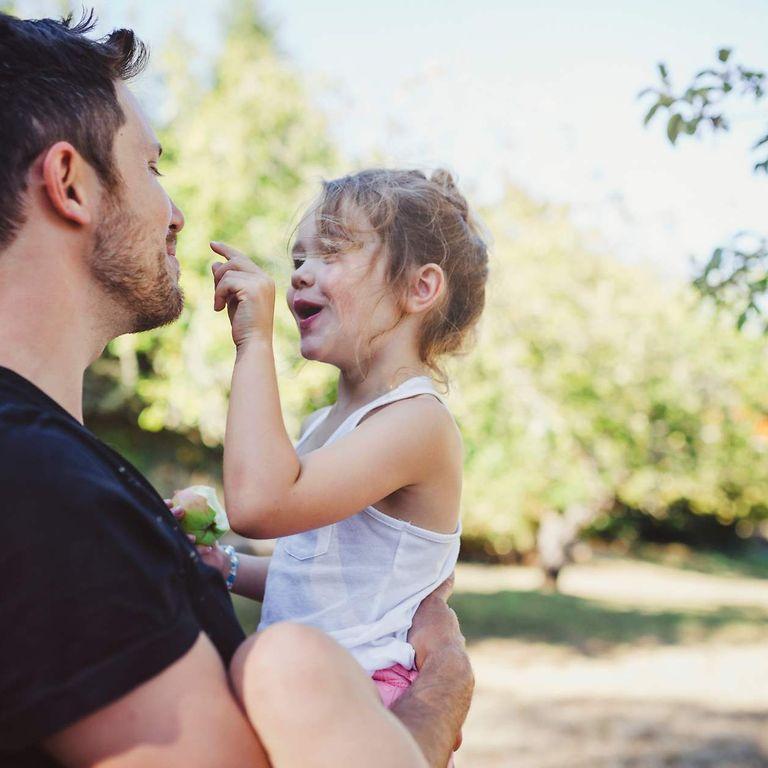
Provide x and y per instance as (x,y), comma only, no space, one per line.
(585,733)
(593,626)
(751,562)
(589,626)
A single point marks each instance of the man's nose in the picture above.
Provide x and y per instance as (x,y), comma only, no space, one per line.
(303,276)
(177,219)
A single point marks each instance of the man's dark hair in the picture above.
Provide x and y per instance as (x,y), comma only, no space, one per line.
(56,84)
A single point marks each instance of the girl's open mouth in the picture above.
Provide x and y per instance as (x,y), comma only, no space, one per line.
(306,312)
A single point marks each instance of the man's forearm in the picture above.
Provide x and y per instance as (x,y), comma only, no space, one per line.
(436,705)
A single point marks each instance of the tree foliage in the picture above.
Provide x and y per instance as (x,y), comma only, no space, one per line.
(736,274)
(594,384)
(242,156)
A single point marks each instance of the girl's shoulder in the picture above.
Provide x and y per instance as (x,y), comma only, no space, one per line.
(425,415)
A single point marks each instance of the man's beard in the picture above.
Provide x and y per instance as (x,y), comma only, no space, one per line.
(144,288)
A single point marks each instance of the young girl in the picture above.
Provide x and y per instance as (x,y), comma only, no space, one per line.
(389,275)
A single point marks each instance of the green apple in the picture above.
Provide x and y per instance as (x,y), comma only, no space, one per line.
(204,517)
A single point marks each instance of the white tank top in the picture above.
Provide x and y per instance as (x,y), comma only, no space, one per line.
(360,579)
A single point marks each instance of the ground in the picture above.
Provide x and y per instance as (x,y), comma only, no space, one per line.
(635,664)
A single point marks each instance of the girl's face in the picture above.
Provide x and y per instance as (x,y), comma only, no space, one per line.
(340,301)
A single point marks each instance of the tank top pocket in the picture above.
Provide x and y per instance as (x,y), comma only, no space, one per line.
(308,544)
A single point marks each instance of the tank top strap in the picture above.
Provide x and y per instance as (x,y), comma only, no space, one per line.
(418,385)
(318,417)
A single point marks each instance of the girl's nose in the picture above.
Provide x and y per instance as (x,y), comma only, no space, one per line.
(302,276)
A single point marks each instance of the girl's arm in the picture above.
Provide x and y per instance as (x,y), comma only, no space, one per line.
(271,491)
(251,576)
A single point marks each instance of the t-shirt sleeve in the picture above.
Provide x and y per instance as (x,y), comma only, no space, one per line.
(93,601)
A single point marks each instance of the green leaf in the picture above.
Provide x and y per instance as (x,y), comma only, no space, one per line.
(673,127)
(724,54)
(690,126)
(651,112)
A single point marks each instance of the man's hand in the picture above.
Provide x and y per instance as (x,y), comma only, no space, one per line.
(435,625)
(436,705)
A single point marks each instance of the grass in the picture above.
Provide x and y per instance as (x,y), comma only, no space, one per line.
(248,612)
(587,625)
(592,626)
(751,562)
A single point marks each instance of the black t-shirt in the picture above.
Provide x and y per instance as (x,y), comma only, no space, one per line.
(101,590)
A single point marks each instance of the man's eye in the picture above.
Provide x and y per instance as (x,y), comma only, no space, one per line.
(156,170)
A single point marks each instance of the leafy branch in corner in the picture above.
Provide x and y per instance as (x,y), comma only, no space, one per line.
(736,274)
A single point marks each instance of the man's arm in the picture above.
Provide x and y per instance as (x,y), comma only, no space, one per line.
(436,705)
(185,717)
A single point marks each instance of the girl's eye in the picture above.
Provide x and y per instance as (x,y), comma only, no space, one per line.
(297,263)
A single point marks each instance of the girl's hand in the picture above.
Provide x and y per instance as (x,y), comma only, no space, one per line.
(214,556)
(217,558)
(247,292)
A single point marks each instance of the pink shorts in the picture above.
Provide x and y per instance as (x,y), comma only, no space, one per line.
(392,683)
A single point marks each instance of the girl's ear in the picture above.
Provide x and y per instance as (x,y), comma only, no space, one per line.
(425,289)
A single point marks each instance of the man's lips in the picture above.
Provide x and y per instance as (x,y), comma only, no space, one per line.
(170,249)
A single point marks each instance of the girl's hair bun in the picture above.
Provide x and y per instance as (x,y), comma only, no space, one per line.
(444,179)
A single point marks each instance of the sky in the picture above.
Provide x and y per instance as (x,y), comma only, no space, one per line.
(543,95)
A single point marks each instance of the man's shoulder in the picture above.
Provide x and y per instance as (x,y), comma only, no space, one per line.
(39,446)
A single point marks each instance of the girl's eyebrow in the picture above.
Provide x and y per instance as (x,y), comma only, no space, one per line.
(298,247)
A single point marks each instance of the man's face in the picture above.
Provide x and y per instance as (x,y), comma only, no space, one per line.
(134,254)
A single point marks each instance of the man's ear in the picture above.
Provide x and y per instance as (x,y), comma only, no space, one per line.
(426,287)
(68,181)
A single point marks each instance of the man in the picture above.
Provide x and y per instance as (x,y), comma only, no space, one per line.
(115,638)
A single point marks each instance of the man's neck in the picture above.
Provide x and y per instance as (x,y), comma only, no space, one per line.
(65,386)
(49,329)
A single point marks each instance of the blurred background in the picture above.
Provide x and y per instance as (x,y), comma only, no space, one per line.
(615,408)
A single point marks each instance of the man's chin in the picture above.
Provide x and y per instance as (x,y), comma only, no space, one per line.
(163,314)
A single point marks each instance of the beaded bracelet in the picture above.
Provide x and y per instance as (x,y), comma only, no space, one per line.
(234,564)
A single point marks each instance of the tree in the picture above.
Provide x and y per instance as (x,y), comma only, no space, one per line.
(595,386)
(244,152)
(736,273)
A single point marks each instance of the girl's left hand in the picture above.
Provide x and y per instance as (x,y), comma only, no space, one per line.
(214,556)
(247,292)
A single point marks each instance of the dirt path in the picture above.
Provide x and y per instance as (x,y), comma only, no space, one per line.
(636,665)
